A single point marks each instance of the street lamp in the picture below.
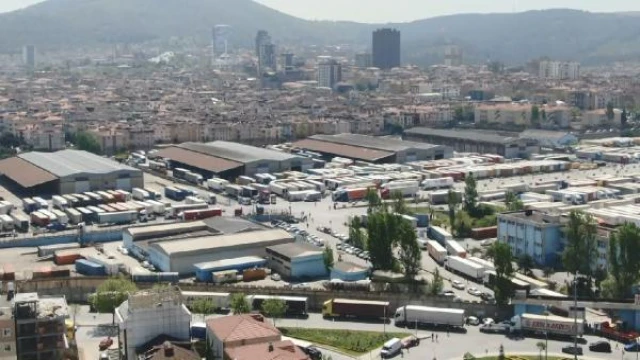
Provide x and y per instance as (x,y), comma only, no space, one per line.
(546,331)
(575,314)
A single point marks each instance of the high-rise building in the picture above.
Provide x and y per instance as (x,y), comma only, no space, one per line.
(386,48)
(363,60)
(265,51)
(453,55)
(329,73)
(221,35)
(287,60)
(40,326)
(559,70)
(29,56)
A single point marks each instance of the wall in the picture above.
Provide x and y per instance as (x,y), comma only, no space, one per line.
(308,267)
(66,237)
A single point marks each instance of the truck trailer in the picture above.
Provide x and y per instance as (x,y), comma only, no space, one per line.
(436,251)
(357,309)
(532,324)
(429,316)
(296,306)
(464,267)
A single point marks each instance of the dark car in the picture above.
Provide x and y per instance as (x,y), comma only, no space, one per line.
(600,346)
(494,328)
(572,350)
(632,347)
(312,352)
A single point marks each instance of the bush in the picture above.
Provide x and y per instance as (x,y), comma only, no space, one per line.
(347,340)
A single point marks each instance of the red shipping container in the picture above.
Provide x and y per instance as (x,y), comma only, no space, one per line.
(66,258)
(484,233)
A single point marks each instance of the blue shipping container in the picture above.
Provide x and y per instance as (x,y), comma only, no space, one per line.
(86,267)
(174,194)
(423,220)
(170,277)
(199,331)
(204,270)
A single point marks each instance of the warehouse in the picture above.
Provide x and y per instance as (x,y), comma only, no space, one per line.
(204,271)
(229,160)
(476,141)
(180,255)
(373,149)
(297,261)
(67,171)
(550,139)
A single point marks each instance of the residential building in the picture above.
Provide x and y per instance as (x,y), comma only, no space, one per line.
(329,73)
(386,48)
(279,350)
(29,56)
(532,233)
(40,326)
(148,314)
(7,335)
(363,60)
(266,52)
(229,332)
(452,55)
(559,70)
(297,261)
(221,35)
(598,118)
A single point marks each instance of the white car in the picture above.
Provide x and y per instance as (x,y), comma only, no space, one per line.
(457,284)
(488,321)
(474,291)
(472,320)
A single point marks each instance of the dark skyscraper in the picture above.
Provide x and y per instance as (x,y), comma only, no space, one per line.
(386,48)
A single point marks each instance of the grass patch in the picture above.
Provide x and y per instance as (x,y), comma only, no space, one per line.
(518,357)
(352,342)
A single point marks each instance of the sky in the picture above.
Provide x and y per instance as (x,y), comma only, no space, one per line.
(380,11)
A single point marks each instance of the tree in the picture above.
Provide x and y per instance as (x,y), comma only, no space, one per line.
(203,306)
(87,142)
(437,283)
(624,258)
(503,262)
(381,228)
(373,199)
(526,264)
(541,347)
(610,114)
(274,308)
(470,195)
(410,255)
(458,114)
(327,256)
(624,117)
(239,304)
(356,237)
(452,202)
(399,204)
(111,293)
(580,251)
(512,202)
(463,224)
(535,116)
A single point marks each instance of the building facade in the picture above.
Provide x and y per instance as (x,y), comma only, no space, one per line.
(297,261)
(29,56)
(221,34)
(532,233)
(386,48)
(559,70)
(40,326)
(7,335)
(363,60)
(329,73)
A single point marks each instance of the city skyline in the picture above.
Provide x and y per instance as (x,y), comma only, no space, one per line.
(383,11)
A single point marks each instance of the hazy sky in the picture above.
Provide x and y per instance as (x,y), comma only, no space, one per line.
(406,10)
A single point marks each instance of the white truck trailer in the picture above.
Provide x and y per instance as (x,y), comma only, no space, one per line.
(464,267)
(532,324)
(430,316)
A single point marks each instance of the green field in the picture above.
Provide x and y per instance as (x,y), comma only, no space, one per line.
(348,341)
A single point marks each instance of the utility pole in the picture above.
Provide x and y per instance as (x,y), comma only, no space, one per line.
(575,314)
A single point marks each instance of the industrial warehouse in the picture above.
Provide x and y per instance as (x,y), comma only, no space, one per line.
(65,172)
(509,145)
(229,160)
(373,149)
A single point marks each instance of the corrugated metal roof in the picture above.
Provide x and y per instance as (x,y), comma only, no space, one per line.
(25,173)
(73,162)
(166,229)
(200,244)
(198,159)
(295,250)
(238,152)
(348,151)
(472,135)
(228,262)
(374,142)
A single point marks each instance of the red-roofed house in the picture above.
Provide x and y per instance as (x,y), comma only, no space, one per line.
(238,330)
(281,350)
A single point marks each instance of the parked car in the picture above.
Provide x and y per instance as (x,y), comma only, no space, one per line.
(488,321)
(410,341)
(448,293)
(494,328)
(572,350)
(276,277)
(600,346)
(391,348)
(312,352)
(457,284)
(472,320)
(474,291)
(632,347)
(487,297)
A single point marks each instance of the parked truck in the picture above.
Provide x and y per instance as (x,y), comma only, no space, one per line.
(436,251)
(438,183)
(122,217)
(173,193)
(464,267)
(348,195)
(405,188)
(21,222)
(59,202)
(441,197)
(532,324)
(296,306)
(217,184)
(429,316)
(439,234)
(455,249)
(357,309)
(199,214)
(140,194)
(6,223)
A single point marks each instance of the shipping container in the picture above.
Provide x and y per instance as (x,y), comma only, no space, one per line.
(437,183)
(6,223)
(216,184)
(88,216)
(464,267)
(436,251)
(59,202)
(106,197)
(123,217)
(254,274)
(89,268)
(61,216)
(141,194)
(295,306)
(71,200)
(48,250)
(42,203)
(455,249)
(29,205)
(75,217)
(66,257)
(439,234)
(429,316)
(39,219)
(21,222)
(356,309)
(484,233)
(199,214)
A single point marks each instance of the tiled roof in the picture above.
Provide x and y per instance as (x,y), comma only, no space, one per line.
(240,327)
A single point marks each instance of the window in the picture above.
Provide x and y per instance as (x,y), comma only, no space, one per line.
(6,332)
(7,348)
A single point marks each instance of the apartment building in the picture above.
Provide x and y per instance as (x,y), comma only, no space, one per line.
(532,233)
(40,326)
(559,70)
(597,118)
(508,114)
(7,335)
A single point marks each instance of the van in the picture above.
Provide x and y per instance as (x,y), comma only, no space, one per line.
(422,243)
(391,348)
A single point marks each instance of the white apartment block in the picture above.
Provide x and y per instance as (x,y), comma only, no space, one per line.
(559,70)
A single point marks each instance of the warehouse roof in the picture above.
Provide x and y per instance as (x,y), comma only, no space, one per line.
(139,232)
(200,244)
(24,173)
(472,135)
(238,152)
(295,250)
(198,159)
(229,262)
(374,142)
(73,162)
(232,225)
(348,151)
(544,134)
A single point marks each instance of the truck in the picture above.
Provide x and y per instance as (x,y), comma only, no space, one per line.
(296,305)
(533,324)
(29,205)
(455,249)
(123,217)
(464,267)
(313,196)
(428,316)
(20,222)
(232,190)
(436,251)
(245,180)
(42,203)
(173,193)
(217,184)
(440,197)
(71,200)
(348,195)
(191,215)
(357,309)
(157,207)
(439,234)
(438,183)
(208,197)
(59,202)
(405,188)
(178,208)
(298,195)
(75,217)
(180,173)
(6,223)
(62,217)
(264,197)
(194,178)
(193,200)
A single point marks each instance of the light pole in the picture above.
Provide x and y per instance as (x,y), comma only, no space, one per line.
(575,314)
(546,331)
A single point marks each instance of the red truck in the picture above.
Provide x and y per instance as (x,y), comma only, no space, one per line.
(199,214)
(359,309)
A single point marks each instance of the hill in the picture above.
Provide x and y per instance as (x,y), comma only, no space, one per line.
(512,38)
